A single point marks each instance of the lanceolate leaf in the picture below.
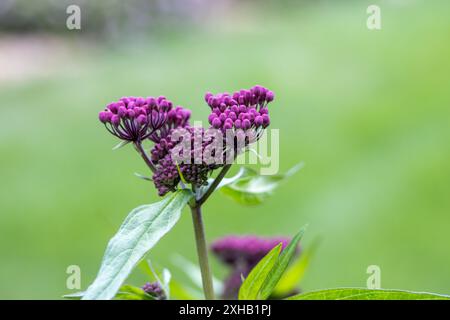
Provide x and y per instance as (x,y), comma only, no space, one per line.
(280,266)
(252,285)
(294,274)
(140,231)
(252,189)
(193,272)
(367,294)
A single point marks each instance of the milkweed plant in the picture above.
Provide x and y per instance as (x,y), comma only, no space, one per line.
(188,164)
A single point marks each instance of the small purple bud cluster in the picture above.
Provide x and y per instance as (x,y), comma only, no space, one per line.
(244,109)
(135,118)
(176,118)
(154,289)
(195,171)
(242,253)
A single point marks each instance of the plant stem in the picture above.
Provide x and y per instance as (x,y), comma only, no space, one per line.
(213,186)
(202,252)
(141,151)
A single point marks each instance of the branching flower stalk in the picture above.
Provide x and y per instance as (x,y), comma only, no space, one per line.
(183,156)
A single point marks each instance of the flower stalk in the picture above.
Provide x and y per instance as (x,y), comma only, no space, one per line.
(141,151)
(202,251)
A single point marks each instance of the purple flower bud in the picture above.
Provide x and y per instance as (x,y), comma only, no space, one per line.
(122,112)
(115,120)
(259,121)
(215,102)
(237,124)
(246,124)
(266,120)
(264,111)
(104,116)
(242,108)
(256,90)
(222,117)
(130,104)
(269,96)
(131,114)
(154,289)
(140,101)
(211,117)
(228,125)
(113,107)
(207,96)
(151,102)
(216,123)
(141,120)
(232,116)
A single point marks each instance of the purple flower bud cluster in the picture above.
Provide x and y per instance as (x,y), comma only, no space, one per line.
(154,289)
(135,118)
(195,171)
(242,253)
(248,249)
(244,109)
(176,118)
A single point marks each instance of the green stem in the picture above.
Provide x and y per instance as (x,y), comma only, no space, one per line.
(214,185)
(202,252)
(141,151)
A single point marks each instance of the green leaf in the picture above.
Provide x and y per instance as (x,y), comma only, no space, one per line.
(121,144)
(140,231)
(128,292)
(252,285)
(140,176)
(182,292)
(253,189)
(280,266)
(243,172)
(367,294)
(192,271)
(294,274)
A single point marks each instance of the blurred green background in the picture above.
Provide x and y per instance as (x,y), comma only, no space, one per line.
(367,111)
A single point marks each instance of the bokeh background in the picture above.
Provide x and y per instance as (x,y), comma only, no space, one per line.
(367,111)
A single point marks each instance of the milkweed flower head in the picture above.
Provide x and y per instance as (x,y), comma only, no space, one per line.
(136,118)
(173,165)
(242,253)
(154,289)
(241,116)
